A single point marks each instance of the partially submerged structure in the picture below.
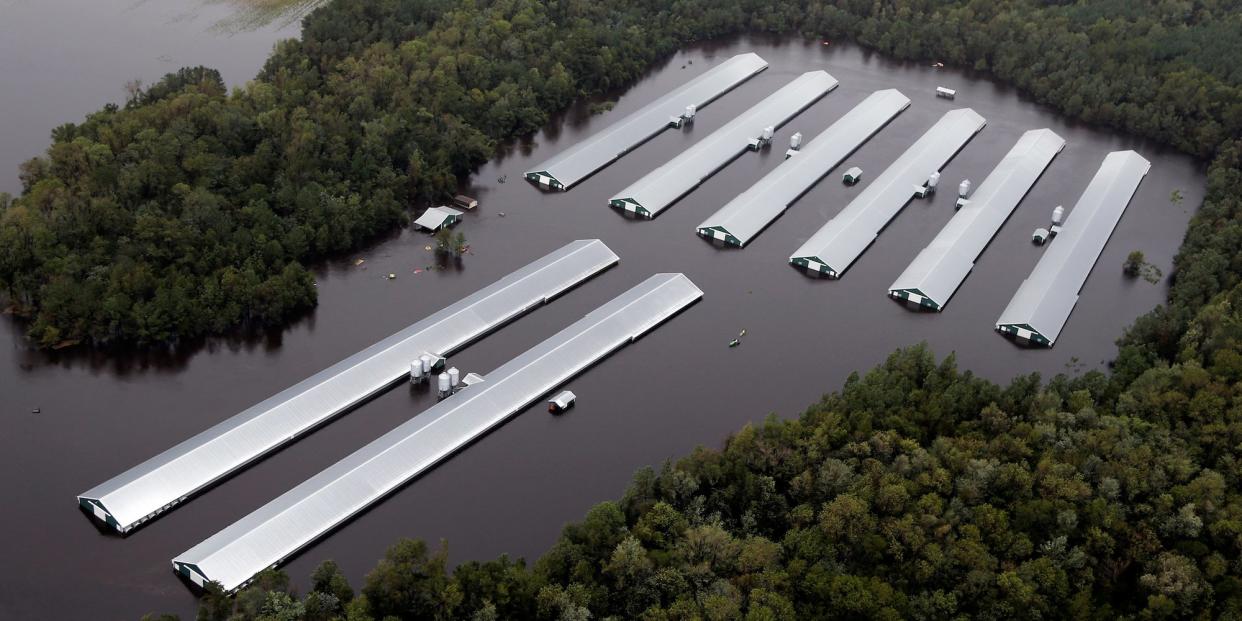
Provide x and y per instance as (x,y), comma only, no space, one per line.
(660,188)
(744,217)
(436,218)
(578,162)
(940,268)
(461,201)
(160,483)
(292,521)
(562,402)
(836,245)
(1042,304)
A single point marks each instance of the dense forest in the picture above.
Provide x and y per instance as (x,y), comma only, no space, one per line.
(192,210)
(916,491)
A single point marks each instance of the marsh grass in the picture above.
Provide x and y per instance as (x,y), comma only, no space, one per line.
(254,14)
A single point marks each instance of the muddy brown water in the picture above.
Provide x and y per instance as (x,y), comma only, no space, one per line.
(680,386)
(63,59)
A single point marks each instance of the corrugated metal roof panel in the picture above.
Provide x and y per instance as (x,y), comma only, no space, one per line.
(295,519)
(663,186)
(835,246)
(168,478)
(581,160)
(743,217)
(1045,299)
(942,266)
(435,217)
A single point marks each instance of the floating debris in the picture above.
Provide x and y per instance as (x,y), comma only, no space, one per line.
(418,271)
(502,214)
(35,411)
(502,179)
(734,343)
(427,247)
(742,333)
(938,65)
(359,262)
(392,276)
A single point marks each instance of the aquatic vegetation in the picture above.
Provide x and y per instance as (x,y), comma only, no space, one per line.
(255,14)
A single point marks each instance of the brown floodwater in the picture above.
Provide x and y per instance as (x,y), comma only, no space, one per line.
(680,386)
(63,59)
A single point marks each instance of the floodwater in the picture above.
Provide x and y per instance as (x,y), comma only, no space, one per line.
(63,59)
(678,387)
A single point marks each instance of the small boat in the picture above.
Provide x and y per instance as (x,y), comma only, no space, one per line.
(734,343)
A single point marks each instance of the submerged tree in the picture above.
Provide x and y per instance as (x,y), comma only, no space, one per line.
(1136,265)
(448,243)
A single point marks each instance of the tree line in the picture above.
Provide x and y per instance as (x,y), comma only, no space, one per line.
(193,210)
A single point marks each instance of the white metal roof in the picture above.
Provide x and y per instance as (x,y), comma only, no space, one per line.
(747,214)
(435,217)
(295,519)
(564,398)
(1045,299)
(155,485)
(581,160)
(942,266)
(661,187)
(836,245)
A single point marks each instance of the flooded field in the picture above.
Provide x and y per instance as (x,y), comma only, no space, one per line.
(63,59)
(681,386)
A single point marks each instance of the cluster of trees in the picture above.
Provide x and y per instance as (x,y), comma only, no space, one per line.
(918,491)
(1136,265)
(192,210)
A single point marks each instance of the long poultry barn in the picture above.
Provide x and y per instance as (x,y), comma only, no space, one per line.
(660,188)
(1043,303)
(292,521)
(143,492)
(580,161)
(836,245)
(742,218)
(930,280)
